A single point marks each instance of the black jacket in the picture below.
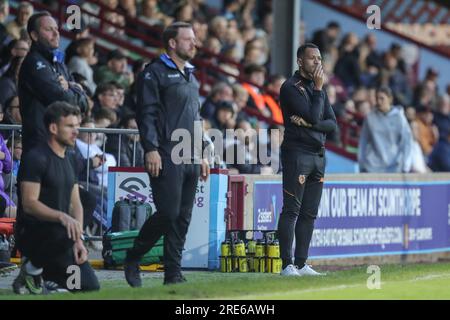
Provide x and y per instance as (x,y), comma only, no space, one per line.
(38,88)
(298,97)
(166,100)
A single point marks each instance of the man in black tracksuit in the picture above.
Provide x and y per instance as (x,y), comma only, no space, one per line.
(168,99)
(308,116)
(44,79)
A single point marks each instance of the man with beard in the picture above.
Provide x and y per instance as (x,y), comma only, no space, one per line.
(50,215)
(308,116)
(44,79)
(168,99)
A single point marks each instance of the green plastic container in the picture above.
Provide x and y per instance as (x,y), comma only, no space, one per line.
(116,244)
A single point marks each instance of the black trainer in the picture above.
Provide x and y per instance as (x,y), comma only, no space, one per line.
(132,273)
(27,283)
(179,278)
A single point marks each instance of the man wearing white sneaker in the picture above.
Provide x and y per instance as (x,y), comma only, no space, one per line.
(308,117)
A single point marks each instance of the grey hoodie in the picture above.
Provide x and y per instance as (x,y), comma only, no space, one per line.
(385,143)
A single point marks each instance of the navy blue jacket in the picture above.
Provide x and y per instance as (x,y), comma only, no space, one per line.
(167,100)
(38,88)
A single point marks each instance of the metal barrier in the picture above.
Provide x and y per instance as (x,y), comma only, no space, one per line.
(105,131)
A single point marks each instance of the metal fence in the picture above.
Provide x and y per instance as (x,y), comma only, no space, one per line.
(15,130)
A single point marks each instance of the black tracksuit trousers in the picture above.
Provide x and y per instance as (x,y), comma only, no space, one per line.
(303,174)
(47,246)
(173,194)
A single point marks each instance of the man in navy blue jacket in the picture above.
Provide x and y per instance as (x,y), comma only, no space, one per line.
(44,79)
(168,99)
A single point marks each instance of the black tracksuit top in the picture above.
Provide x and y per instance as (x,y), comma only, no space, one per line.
(298,97)
(38,88)
(167,100)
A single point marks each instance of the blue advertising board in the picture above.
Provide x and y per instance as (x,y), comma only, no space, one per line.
(368,218)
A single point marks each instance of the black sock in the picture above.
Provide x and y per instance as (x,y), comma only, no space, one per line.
(286,263)
(300,263)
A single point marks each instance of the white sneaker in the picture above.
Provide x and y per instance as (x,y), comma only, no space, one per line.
(308,271)
(290,270)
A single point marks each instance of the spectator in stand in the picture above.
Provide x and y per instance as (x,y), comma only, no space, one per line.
(8,82)
(152,15)
(418,163)
(426,92)
(326,39)
(12,111)
(100,161)
(15,149)
(131,152)
(11,115)
(83,61)
(440,157)
(7,206)
(256,74)
(130,97)
(81,33)
(19,24)
(232,9)
(223,116)
(122,108)
(184,12)
(104,118)
(16,48)
(200,10)
(128,9)
(273,86)
(114,70)
(240,96)
(218,28)
(110,13)
(106,97)
(213,45)
(396,51)
(256,52)
(221,91)
(386,140)
(233,39)
(341,91)
(338,109)
(391,76)
(232,54)
(247,162)
(442,116)
(370,62)
(251,56)
(4,13)
(374,57)
(428,134)
(347,66)
(201,32)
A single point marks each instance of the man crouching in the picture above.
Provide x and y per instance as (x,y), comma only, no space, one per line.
(50,214)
